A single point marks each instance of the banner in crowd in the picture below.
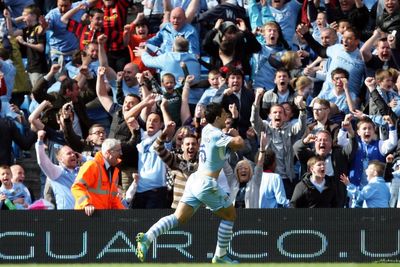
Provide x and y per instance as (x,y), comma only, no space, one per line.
(275,235)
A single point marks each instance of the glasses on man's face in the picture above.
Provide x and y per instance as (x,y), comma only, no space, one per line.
(319,109)
(99,133)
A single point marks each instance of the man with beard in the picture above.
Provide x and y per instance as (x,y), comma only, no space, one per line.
(382,59)
(182,165)
(321,110)
(238,95)
(282,136)
(336,158)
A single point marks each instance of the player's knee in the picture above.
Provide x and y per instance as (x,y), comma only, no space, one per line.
(231,217)
(182,220)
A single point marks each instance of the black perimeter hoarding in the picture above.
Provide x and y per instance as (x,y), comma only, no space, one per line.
(275,235)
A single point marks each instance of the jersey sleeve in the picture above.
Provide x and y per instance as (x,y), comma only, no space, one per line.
(223,140)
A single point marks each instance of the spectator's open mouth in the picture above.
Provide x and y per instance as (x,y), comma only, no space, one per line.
(278,120)
(191,153)
(367,137)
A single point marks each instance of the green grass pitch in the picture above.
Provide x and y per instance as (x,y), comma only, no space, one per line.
(209,264)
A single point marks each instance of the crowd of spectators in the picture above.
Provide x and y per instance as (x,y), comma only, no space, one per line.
(115,100)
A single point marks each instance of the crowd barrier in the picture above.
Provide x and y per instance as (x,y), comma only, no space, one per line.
(277,235)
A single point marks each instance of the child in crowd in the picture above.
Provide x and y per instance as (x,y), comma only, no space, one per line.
(384,83)
(33,39)
(272,192)
(375,194)
(318,25)
(291,60)
(173,96)
(135,34)
(340,95)
(17,193)
(214,78)
(316,189)
(341,27)
(368,147)
(303,86)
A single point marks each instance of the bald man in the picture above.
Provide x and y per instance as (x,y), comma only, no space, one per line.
(177,26)
(127,79)
(18,176)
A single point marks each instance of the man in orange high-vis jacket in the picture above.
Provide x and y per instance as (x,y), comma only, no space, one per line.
(96,186)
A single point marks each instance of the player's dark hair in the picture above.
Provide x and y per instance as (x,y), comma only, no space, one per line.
(213,110)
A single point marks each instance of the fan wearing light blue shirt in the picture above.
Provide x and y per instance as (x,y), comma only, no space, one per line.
(275,46)
(62,42)
(213,79)
(178,26)
(339,93)
(272,191)
(345,55)
(285,13)
(376,193)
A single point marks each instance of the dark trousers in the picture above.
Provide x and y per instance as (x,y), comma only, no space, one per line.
(152,199)
(289,187)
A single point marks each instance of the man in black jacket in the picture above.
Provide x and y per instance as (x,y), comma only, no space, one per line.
(337,159)
(69,92)
(245,43)
(237,94)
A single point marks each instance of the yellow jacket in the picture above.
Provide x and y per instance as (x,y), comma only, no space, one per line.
(92,186)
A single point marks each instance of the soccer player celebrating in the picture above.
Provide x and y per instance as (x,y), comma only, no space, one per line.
(202,187)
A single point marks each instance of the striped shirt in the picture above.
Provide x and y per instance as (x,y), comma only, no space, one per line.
(114,21)
(86,35)
(180,168)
